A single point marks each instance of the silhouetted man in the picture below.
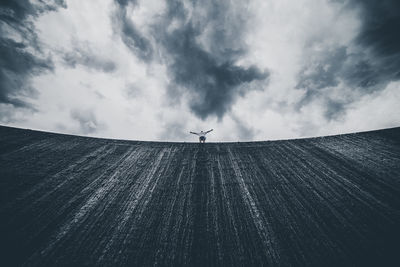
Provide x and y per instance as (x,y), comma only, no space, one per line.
(202,135)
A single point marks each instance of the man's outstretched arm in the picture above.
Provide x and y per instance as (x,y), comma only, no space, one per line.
(194,133)
(210,130)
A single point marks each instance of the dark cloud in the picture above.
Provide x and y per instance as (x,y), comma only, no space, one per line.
(214,86)
(16,11)
(135,40)
(379,35)
(363,73)
(322,71)
(16,67)
(130,35)
(88,122)
(380,28)
(20,54)
(376,63)
(201,48)
(334,109)
(326,70)
(83,55)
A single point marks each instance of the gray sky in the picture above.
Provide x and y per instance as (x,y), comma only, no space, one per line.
(155,70)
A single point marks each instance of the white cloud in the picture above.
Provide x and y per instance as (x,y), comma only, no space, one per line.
(132,102)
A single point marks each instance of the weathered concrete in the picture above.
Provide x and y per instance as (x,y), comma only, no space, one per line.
(331,201)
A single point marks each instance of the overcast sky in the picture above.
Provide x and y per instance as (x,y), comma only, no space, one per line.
(155,70)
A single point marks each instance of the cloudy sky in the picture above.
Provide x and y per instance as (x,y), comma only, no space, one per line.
(155,70)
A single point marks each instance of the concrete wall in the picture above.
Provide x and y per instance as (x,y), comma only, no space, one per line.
(331,201)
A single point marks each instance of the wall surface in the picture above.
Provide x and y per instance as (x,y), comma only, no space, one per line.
(329,201)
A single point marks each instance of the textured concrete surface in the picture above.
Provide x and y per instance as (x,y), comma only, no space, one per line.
(73,201)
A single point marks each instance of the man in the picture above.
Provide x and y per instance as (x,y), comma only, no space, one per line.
(202,135)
